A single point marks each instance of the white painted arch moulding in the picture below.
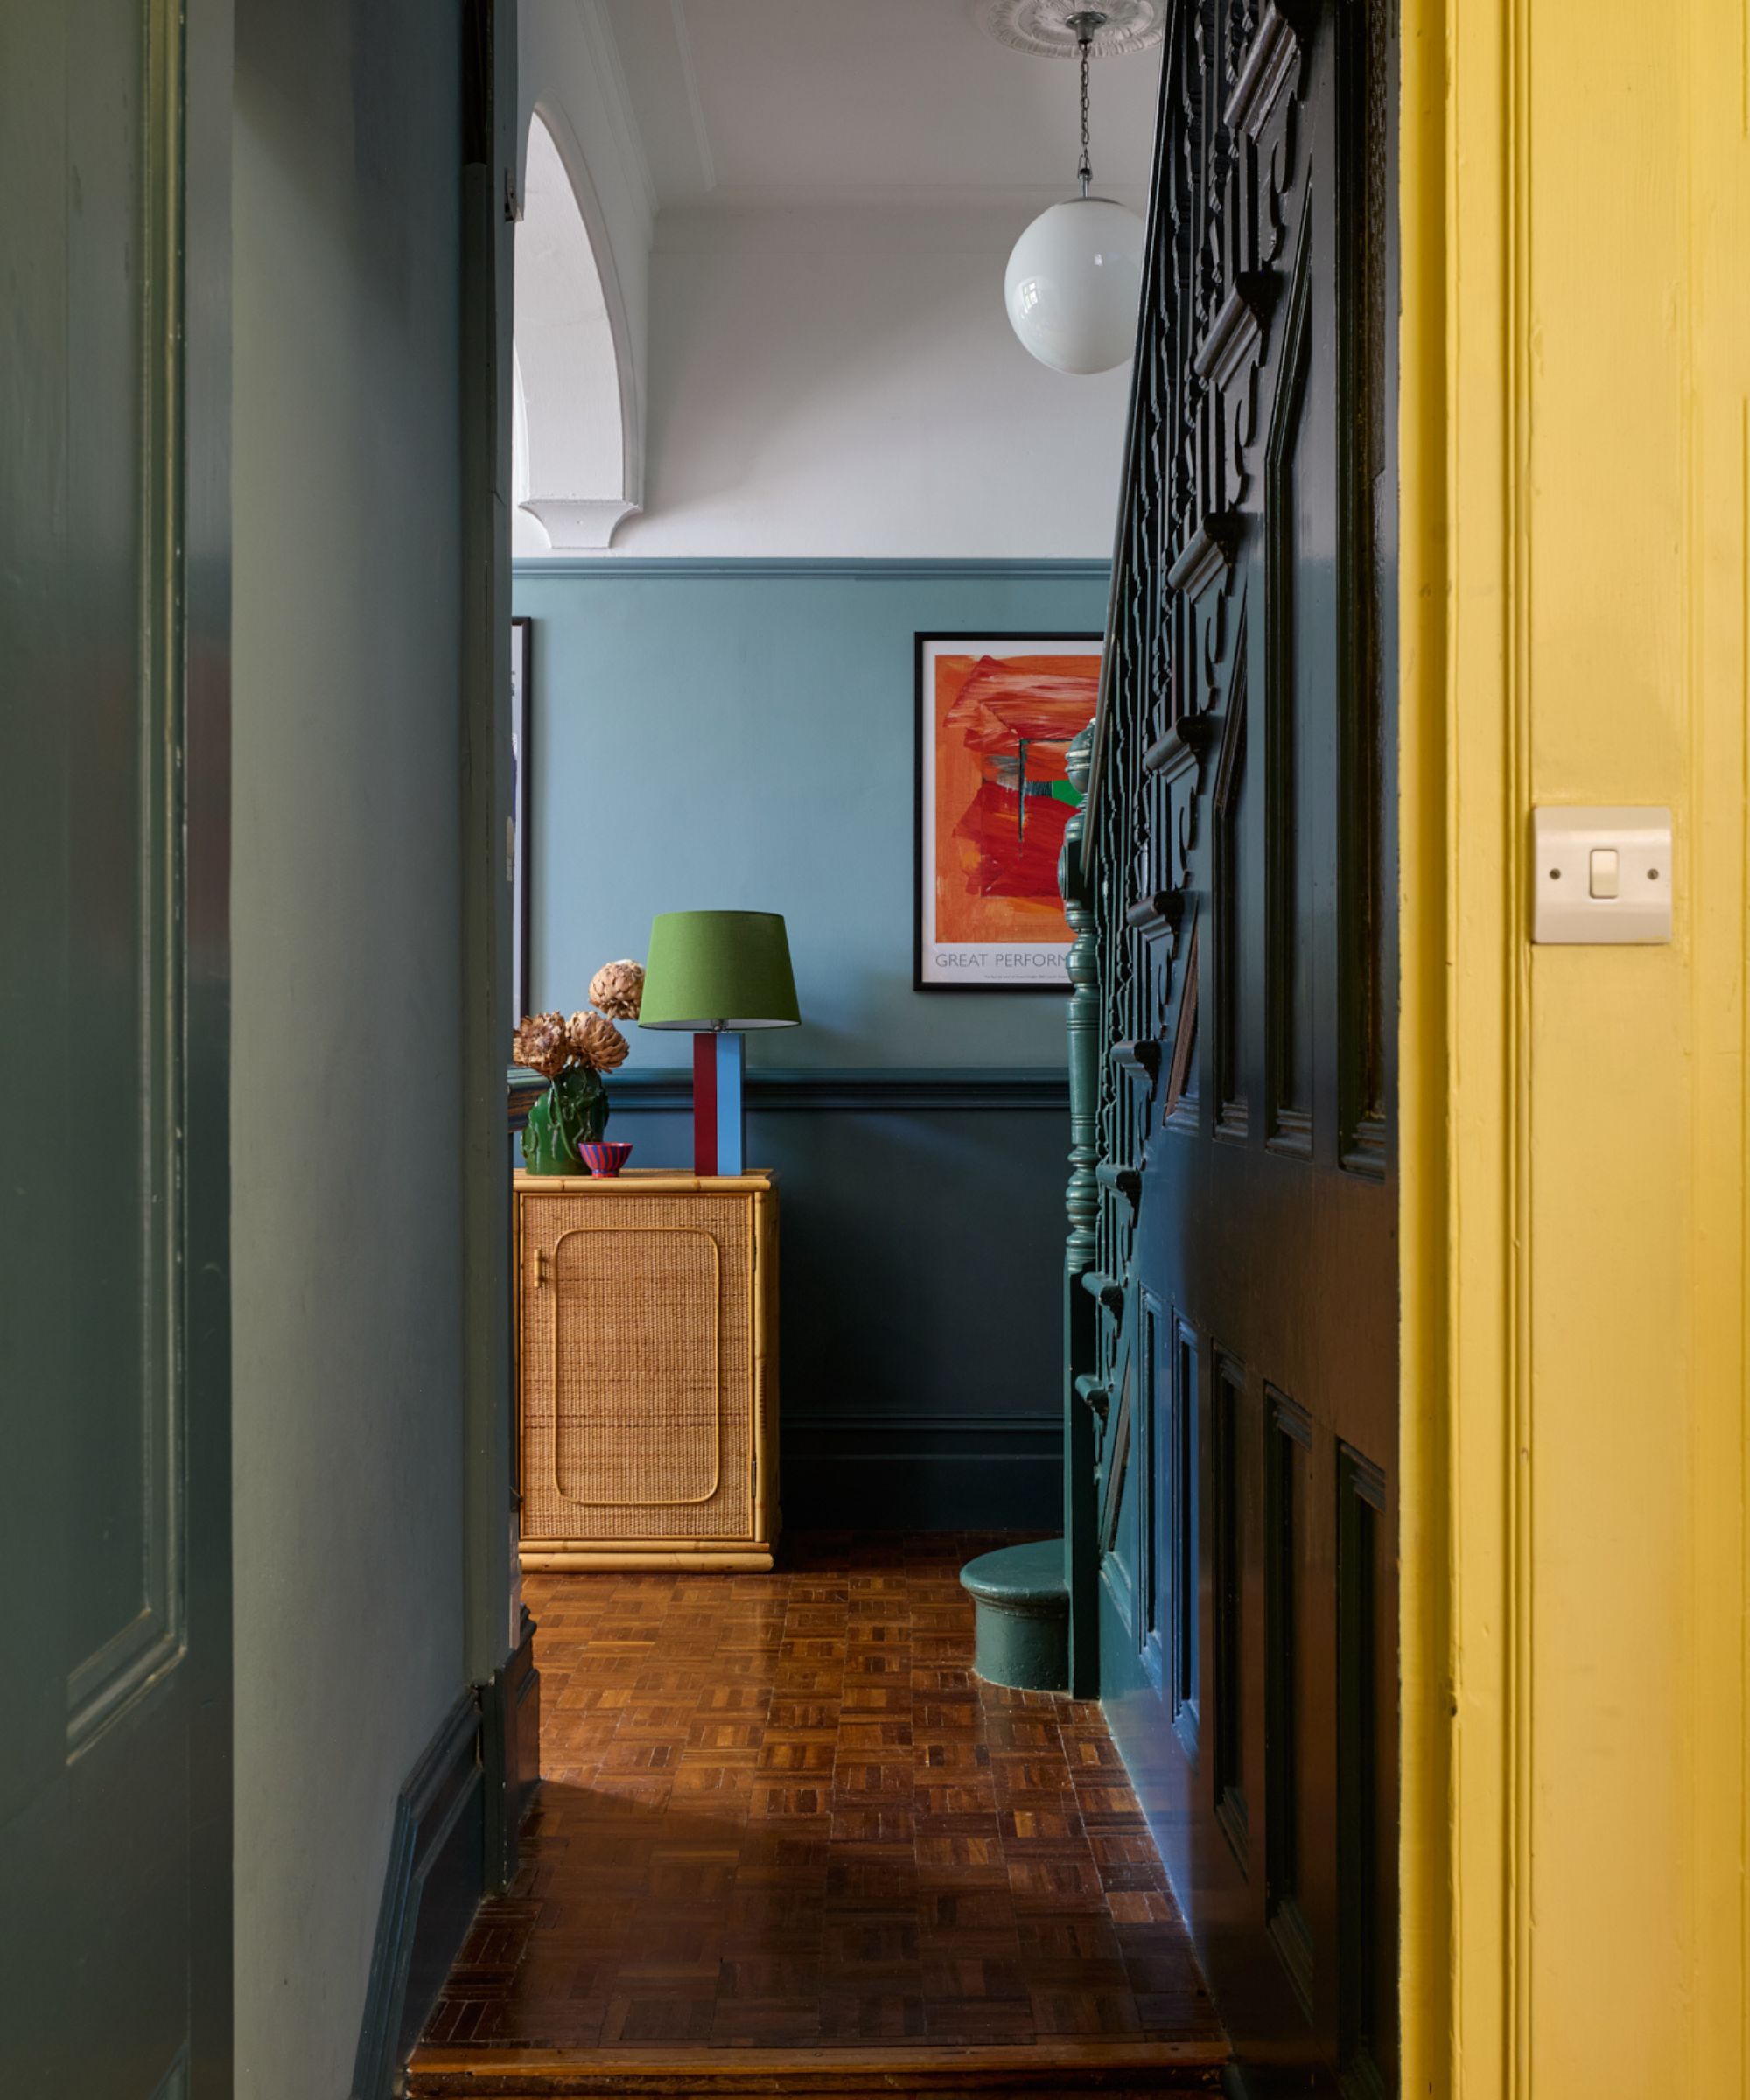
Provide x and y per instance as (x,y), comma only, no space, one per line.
(575,360)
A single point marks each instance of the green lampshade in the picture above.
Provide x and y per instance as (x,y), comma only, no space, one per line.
(718,970)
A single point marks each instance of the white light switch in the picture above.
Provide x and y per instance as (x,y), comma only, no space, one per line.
(1601,874)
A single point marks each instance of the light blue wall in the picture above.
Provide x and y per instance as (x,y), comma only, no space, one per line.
(741,735)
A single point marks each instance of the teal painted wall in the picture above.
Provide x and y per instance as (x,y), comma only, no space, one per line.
(741,735)
(346,937)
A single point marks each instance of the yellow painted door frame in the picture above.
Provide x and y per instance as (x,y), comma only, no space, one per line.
(1576,542)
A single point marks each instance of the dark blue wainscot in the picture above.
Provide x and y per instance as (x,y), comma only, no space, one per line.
(922,1240)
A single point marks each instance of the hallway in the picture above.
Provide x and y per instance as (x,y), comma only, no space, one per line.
(785,1833)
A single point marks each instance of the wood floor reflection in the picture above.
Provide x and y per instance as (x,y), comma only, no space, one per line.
(779,1813)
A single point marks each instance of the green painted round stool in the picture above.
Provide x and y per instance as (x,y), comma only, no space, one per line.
(1022,1614)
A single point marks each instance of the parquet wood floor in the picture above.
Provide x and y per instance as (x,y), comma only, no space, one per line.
(781,1823)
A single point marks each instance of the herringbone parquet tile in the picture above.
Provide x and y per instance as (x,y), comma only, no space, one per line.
(779,1812)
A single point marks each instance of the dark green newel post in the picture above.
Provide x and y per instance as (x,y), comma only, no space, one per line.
(1035,1607)
(1081,1200)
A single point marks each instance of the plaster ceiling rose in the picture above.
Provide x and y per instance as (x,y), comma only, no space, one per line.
(1045,29)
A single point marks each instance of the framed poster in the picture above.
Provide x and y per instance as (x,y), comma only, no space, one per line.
(522,798)
(995,714)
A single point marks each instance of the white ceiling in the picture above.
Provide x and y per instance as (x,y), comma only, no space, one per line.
(749,101)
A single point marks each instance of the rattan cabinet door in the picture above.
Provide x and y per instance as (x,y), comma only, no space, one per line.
(638,1367)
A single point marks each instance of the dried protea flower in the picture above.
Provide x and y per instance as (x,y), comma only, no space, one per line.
(617,990)
(542,1044)
(595,1042)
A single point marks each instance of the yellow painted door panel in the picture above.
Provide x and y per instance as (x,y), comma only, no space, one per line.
(1573,433)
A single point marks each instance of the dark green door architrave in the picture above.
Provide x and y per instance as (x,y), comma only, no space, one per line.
(115,1344)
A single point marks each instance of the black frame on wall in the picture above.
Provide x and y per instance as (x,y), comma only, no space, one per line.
(921,719)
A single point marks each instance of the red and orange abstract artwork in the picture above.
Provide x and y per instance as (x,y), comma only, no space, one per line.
(996,717)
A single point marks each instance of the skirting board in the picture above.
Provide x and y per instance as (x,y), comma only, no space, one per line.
(450,1842)
(510,1752)
(925,1473)
(434,1879)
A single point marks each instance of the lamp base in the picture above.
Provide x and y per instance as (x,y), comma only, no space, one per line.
(720,1112)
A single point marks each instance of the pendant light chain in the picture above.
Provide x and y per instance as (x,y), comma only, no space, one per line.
(1085,172)
(1084,23)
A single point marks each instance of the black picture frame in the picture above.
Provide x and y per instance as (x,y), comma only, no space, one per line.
(922,724)
(521,809)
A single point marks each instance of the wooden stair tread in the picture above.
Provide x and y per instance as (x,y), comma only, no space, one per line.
(1112,2068)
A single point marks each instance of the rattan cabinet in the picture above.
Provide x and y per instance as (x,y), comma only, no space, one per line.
(646,1367)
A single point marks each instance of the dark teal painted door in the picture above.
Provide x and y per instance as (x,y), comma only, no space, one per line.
(114,1788)
(1240,1332)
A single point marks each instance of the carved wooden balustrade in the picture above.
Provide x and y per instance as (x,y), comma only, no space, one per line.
(1231,1377)
(1165,737)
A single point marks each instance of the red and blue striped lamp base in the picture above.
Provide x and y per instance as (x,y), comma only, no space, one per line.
(719,1114)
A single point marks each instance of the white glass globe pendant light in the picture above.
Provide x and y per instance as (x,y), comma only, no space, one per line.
(1076,274)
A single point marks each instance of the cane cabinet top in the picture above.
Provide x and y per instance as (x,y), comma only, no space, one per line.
(645,1181)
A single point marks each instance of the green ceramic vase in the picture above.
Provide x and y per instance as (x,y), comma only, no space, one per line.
(572,1112)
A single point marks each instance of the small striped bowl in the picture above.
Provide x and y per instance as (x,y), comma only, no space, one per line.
(607,1157)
